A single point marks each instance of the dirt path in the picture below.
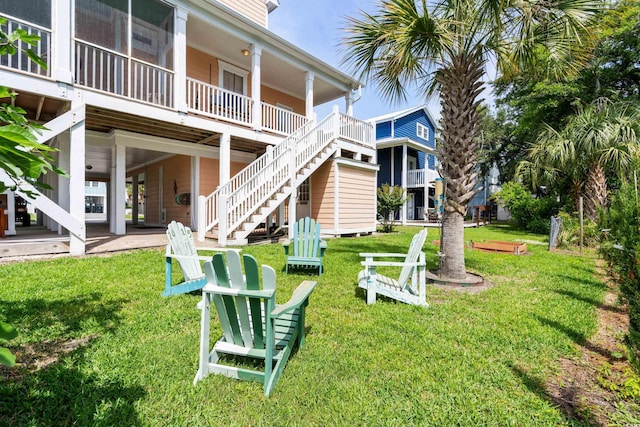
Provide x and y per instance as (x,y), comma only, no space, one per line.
(593,388)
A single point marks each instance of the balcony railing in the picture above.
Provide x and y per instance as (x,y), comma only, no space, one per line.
(213,101)
(109,71)
(416,178)
(356,131)
(280,120)
(20,61)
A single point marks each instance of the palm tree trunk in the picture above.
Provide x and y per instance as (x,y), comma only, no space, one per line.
(460,86)
(595,190)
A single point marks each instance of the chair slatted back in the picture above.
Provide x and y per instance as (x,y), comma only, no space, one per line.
(412,256)
(182,243)
(306,238)
(242,316)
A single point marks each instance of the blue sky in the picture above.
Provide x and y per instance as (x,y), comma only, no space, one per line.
(316,27)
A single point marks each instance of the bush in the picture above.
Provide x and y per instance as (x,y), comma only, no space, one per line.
(570,231)
(390,199)
(529,213)
(621,250)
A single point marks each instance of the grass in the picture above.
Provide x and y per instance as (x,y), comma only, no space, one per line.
(112,351)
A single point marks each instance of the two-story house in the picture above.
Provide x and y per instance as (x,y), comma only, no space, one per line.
(197,102)
(405,143)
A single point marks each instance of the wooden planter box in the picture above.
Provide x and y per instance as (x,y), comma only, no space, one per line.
(498,246)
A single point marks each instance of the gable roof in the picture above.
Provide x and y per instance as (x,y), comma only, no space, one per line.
(402,113)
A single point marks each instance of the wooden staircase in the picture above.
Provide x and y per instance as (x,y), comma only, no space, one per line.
(236,208)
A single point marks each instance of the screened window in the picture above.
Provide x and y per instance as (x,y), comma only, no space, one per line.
(105,23)
(33,11)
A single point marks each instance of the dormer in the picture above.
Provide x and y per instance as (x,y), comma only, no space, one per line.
(256,10)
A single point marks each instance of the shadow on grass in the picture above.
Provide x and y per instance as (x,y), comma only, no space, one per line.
(61,394)
(566,401)
(590,301)
(37,317)
(577,337)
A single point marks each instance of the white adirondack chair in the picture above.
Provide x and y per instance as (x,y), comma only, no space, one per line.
(410,287)
(182,248)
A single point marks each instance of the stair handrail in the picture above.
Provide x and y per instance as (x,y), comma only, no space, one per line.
(259,187)
(209,206)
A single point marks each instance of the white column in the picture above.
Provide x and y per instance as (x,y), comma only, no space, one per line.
(77,164)
(118,185)
(256,109)
(349,103)
(134,199)
(404,183)
(180,60)
(61,60)
(225,158)
(308,106)
(64,146)
(195,191)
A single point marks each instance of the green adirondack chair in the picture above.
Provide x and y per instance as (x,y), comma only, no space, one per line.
(253,325)
(182,248)
(410,287)
(306,249)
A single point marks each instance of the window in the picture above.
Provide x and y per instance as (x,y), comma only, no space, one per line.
(35,11)
(422,131)
(233,78)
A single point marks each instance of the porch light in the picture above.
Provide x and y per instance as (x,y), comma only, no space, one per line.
(245,52)
(89,167)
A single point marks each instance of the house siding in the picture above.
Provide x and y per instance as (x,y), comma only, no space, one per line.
(273,97)
(357,199)
(256,10)
(323,195)
(406,127)
(384,160)
(383,130)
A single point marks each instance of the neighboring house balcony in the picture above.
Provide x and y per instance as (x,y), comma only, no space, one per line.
(420,178)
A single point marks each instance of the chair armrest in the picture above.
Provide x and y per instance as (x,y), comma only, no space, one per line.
(390,264)
(299,296)
(286,244)
(204,248)
(235,292)
(323,247)
(379,255)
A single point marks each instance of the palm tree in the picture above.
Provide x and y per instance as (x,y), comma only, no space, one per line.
(603,136)
(445,46)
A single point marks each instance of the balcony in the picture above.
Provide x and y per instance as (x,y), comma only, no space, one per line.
(416,178)
(20,61)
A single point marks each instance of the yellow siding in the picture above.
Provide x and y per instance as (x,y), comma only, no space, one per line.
(357,195)
(176,180)
(201,66)
(210,174)
(256,10)
(322,195)
(152,202)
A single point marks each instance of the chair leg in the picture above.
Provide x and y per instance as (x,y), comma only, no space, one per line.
(371,296)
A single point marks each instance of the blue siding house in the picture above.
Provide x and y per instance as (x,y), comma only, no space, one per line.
(405,144)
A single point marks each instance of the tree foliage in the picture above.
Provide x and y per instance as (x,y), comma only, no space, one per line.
(445,46)
(390,199)
(22,157)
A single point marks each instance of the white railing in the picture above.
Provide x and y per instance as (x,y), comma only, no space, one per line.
(420,177)
(213,101)
(356,131)
(109,71)
(20,61)
(280,120)
(152,84)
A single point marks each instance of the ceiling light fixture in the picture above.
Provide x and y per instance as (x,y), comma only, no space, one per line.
(245,52)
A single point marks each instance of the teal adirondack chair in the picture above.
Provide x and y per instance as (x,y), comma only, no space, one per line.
(253,325)
(410,287)
(308,249)
(182,248)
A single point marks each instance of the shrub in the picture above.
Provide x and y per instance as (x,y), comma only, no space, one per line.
(621,251)
(390,199)
(529,213)
(570,231)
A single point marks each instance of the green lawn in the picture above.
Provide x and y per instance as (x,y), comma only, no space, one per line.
(471,360)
